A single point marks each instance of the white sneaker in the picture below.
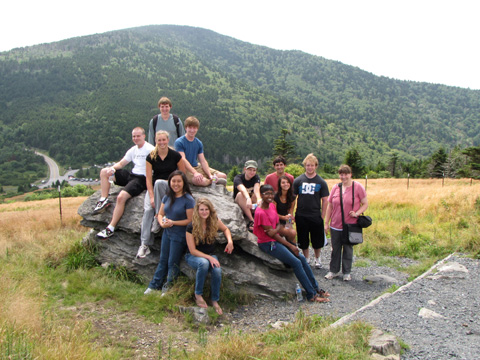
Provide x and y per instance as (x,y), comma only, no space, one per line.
(347,277)
(330,275)
(105,233)
(318,263)
(143,251)
(148,291)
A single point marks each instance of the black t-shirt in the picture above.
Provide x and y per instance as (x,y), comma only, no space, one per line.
(309,195)
(208,249)
(249,184)
(163,168)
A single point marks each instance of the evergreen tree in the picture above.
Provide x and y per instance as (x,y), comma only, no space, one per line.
(284,147)
(354,160)
(392,163)
(436,167)
(472,167)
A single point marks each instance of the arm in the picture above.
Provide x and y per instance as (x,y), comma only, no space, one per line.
(256,191)
(362,208)
(193,250)
(148,176)
(189,167)
(204,163)
(324,206)
(228,235)
(276,236)
(181,165)
(290,211)
(326,219)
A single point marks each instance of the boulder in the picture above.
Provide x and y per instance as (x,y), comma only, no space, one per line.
(247,268)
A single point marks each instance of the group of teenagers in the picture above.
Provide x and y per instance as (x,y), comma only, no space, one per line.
(173,158)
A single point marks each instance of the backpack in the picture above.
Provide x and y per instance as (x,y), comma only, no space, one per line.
(176,121)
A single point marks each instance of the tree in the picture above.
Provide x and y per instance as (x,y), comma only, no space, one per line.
(436,167)
(284,147)
(472,167)
(392,163)
(234,172)
(354,160)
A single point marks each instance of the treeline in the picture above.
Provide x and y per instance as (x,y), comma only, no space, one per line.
(457,163)
(20,167)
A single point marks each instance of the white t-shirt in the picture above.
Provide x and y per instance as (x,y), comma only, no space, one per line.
(138,156)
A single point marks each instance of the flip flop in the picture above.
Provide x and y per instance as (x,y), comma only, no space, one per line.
(218,309)
(201,303)
(323,293)
(319,299)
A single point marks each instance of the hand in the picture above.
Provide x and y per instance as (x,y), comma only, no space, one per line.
(229,248)
(111,171)
(214,262)
(198,177)
(294,250)
(353,214)
(271,232)
(152,203)
(249,202)
(166,224)
(327,229)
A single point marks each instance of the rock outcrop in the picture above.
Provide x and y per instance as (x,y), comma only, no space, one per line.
(247,268)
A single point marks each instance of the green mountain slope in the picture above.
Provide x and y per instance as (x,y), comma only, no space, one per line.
(80,98)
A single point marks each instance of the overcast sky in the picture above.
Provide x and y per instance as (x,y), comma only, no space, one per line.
(420,40)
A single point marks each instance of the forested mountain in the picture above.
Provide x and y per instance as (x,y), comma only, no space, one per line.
(80,98)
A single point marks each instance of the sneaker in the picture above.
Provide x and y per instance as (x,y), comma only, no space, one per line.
(101,206)
(155,226)
(318,263)
(165,289)
(330,275)
(347,277)
(105,233)
(148,291)
(143,251)
(222,181)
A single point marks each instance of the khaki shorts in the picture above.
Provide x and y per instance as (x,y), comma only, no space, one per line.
(200,170)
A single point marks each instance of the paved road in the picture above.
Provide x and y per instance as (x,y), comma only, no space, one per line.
(55,174)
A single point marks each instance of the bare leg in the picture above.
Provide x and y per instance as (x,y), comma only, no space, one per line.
(104,183)
(317,252)
(242,202)
(306,253)
(200,301)
(119,207)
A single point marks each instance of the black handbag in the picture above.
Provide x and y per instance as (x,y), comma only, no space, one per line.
(352,233)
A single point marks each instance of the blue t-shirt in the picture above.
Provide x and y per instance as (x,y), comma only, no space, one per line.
(191,149)
(178,211)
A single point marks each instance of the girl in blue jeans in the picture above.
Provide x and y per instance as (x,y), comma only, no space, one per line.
(201,234)
(266,228)
(175,214)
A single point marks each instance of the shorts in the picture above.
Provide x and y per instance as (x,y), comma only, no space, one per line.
(310,229)
(200,170)
(132,183)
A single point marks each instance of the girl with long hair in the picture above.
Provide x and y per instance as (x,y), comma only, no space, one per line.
(176,212)
(201,236)
(160,163)
(284,200)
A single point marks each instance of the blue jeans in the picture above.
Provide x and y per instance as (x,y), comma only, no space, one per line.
(203,266)
(171,251)
(299,264)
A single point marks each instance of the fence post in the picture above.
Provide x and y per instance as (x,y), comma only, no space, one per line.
(408,181)
(60,204)
(366,181)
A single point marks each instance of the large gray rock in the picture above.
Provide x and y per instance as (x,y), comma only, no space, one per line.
(247,268)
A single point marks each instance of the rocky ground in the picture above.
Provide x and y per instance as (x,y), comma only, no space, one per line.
(437,315)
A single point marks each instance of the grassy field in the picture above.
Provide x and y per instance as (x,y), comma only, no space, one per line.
(49,279)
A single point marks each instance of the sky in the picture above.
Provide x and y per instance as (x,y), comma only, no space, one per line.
(419,40)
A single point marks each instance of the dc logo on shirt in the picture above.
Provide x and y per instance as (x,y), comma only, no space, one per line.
(309,188)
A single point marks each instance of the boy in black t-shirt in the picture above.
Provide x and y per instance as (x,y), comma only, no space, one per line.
(312,194)
(246,190)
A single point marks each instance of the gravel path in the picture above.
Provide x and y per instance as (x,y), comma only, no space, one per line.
(448,327)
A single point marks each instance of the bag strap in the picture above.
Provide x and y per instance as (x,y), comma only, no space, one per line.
(176,121)
(341,204)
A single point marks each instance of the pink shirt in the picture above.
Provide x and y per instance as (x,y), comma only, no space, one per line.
(272,179)
(268,217)
(334,200)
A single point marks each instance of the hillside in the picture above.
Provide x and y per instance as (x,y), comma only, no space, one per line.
(80,98)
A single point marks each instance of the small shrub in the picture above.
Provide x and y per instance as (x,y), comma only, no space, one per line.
(80,256)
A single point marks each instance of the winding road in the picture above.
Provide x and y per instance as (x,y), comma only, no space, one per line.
(54,172)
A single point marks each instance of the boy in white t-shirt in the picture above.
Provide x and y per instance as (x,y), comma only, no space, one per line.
(134,183)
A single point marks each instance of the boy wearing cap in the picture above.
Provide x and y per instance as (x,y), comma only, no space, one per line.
(246,190)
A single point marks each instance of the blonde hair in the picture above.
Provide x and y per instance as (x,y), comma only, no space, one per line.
(154,152)
(207,237)
(310,158)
